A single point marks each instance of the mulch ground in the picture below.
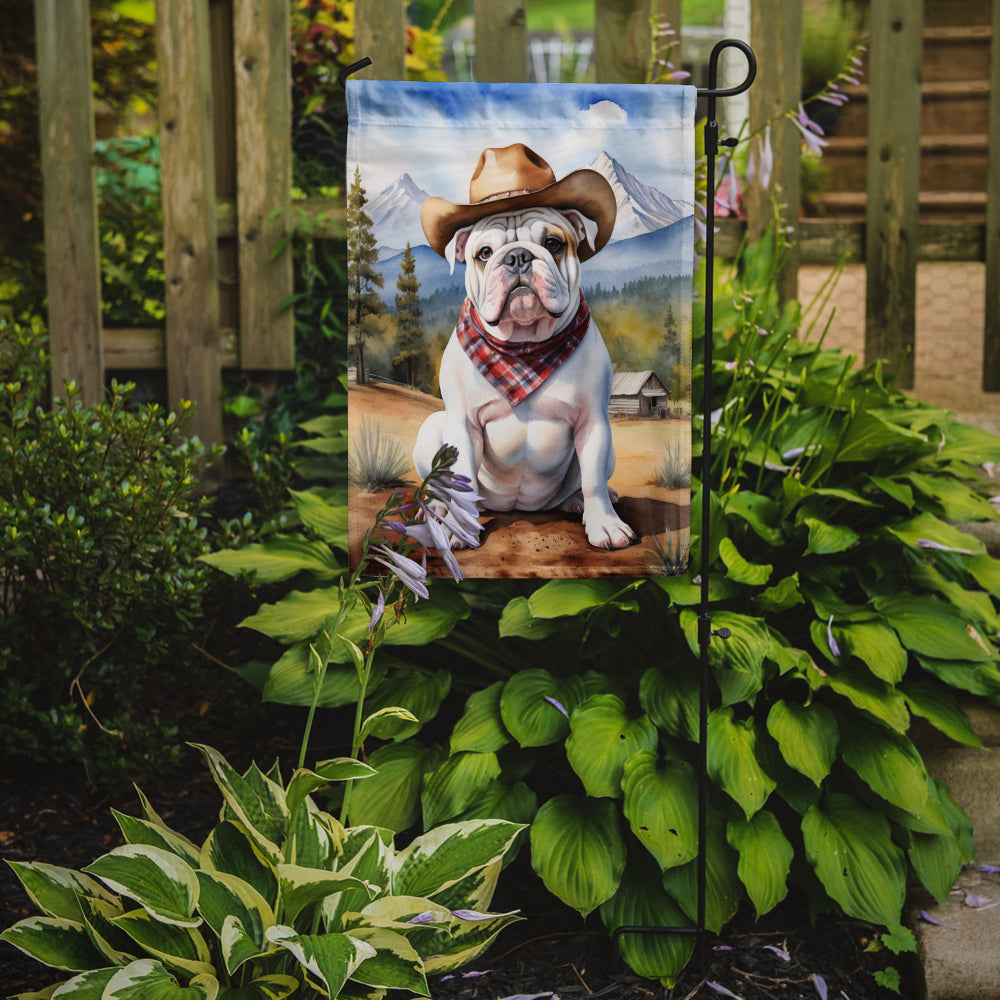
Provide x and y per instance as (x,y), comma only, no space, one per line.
(550,953)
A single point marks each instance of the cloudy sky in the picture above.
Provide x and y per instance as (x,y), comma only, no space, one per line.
(435,132)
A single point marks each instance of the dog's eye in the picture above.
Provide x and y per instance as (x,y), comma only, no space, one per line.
(483,254)
(553,244)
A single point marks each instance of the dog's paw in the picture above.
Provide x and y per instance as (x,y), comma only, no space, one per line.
(609,533)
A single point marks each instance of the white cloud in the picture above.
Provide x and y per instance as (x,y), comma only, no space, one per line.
(602,113)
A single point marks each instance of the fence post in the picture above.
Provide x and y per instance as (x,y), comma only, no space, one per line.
(991,333)
(501,41)
(380,34)
(893,183)
(190,251)
(72,255)
(262,61)
(776,34)
(621,40)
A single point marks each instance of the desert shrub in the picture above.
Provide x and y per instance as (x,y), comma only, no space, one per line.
(99,546)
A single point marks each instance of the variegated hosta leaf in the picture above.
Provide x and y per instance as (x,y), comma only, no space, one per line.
(301,887)
(230,849)
(441,857)
(366,855)
(391,799)
(225,897)
(56,891)
(256,801)
(535,706)
(888,763)
(329,959)
(54,941)
(642,902)
(158,880)
(765,858)
(602,737)
(315,838)
(467,940)
(807,736)
(476,890)
(850,847)
(661,800)
(141,831)
(149,980)
(723,889)
(732,760)
(274,987)
(481,727)
(395,964)
(304,782)
(177,947)
(578,851)
(456,784)
(116,947)
(87,986)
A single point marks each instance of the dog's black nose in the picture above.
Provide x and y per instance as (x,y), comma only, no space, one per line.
(518,261)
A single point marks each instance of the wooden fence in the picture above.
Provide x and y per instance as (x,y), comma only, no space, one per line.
(226,160)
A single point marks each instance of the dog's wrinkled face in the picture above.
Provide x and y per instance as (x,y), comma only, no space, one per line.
(522,270)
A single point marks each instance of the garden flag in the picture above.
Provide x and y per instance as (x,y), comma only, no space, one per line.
(520,265)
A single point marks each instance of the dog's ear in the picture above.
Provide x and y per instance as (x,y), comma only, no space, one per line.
(585,229)
(455,250)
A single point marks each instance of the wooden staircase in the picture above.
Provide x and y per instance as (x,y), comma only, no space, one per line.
(955,92)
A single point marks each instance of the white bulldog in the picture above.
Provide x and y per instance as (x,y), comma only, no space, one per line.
(526,377)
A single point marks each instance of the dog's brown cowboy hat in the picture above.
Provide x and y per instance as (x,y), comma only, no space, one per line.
(516,177)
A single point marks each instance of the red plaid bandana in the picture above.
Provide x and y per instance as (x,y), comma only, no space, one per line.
(518,369)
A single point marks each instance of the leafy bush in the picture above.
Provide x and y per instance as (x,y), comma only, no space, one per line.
(854,605)
(99,540)
(279,899)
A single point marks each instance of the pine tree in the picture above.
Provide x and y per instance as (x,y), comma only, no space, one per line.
(408,313)
(362,278)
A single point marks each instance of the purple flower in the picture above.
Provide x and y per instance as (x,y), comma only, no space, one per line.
(427,917)
(558,705)
(927,543)
(834,648)
(475,915)
(820,983)
(719,988)
(433,537)
(377,612)
(761,163)
(811,132)
(411,574)
(780,952)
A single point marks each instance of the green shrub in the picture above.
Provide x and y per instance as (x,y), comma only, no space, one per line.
(101,584)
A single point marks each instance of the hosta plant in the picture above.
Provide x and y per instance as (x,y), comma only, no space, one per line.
(279,900)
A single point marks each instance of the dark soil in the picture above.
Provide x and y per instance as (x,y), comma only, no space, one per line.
(551,952)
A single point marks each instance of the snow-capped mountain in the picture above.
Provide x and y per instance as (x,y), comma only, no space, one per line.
(641,208)
(395,214)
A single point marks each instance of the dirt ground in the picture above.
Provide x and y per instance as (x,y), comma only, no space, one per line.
(545,544)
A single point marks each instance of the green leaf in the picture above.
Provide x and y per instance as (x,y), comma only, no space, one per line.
(661,798)
(391,798)
(723,889)
(275,987)
(578,851)
(850,848)
(671,700)
(292,680)
(965,443)
(301,887)
(279,558)
(888,763)
(331,959)
(297,616)
(415,689)
(931,628)
(783,595)
(54,941)
(870,435)
(164,885)
(765,858)
(456,784)
(516,803)
(760,512)
(56,891)
(147,979)
(517,620)
(395,964)
(327,520)
(928,528)
(876,646)
(738,662)
(828,539)
(741,571)
(560,598)
(527,711)
(807,736)
(958,502)
(986,571)
(181,948)
(387,722)
(438,859)
(941,709)
(937,859)
(732,760)
(640,901)
(976,678)
(601,739)
(481,727)
(304,782)
(866,692)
